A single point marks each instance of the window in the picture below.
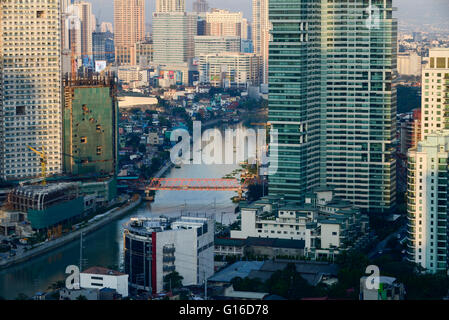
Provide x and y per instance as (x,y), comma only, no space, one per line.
(99,150)
(40,14)
(334,233)
(98,128)
(83,139)
(96,284)
(20,110)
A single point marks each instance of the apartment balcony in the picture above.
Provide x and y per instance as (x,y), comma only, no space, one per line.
(168,250)
(166,259)
(168,268)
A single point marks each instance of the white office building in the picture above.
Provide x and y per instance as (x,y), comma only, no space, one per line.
(30,87)
(157,247)
(230,69)
(216,44)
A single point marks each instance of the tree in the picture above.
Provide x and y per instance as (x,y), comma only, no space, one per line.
(164,122)
(256,191)
(248,284)
(352,267)
(133,141)
(156,163)
(57,285)
(184,295)
(173,281)
(426,286)
(418,286)
(250,104)
(289,284)
(22,296)
(142,148)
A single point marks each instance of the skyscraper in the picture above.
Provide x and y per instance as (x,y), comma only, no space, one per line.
(129,28)
(427,204)
(106,27)
(65,5)
(170,6)
(226,23)
(427,187)
(71,30)
(331,98)
(85,15)
(90,116)
(103,46)
(173,37)
(261,33)
(200,6)
(30,87)
(434,91)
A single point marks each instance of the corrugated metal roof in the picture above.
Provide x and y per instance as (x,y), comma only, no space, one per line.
(239,269)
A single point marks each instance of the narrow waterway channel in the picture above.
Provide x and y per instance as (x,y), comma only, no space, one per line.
(104,247)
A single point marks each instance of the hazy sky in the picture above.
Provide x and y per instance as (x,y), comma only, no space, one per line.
(424,11)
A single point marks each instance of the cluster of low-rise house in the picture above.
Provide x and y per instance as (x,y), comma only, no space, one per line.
(323,227)
(153,124)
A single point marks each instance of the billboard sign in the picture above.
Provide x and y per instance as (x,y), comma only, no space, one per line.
(100,65)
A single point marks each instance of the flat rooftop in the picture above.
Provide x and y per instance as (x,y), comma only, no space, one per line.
(103,271)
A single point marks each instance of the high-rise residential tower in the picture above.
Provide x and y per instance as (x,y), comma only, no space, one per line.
(434,92)
(170,6)
(106,27)
(225,23)
(30,87)
(332,99)
(261,33)
(200,6)
(65,5)
(427,203)
(129,28)
(85,15)
(173,37)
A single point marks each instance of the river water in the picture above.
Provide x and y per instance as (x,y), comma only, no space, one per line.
(104,247)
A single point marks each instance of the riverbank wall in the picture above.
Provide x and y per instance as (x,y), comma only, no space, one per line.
(72,236)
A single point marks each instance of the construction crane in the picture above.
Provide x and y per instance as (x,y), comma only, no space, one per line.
(43,160)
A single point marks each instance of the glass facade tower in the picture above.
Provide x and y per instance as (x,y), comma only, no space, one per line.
(332,100)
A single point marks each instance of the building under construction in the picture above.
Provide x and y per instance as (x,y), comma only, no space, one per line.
(90,125)
(47,205)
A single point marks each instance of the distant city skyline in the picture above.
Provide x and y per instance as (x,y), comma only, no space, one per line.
(409,11)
